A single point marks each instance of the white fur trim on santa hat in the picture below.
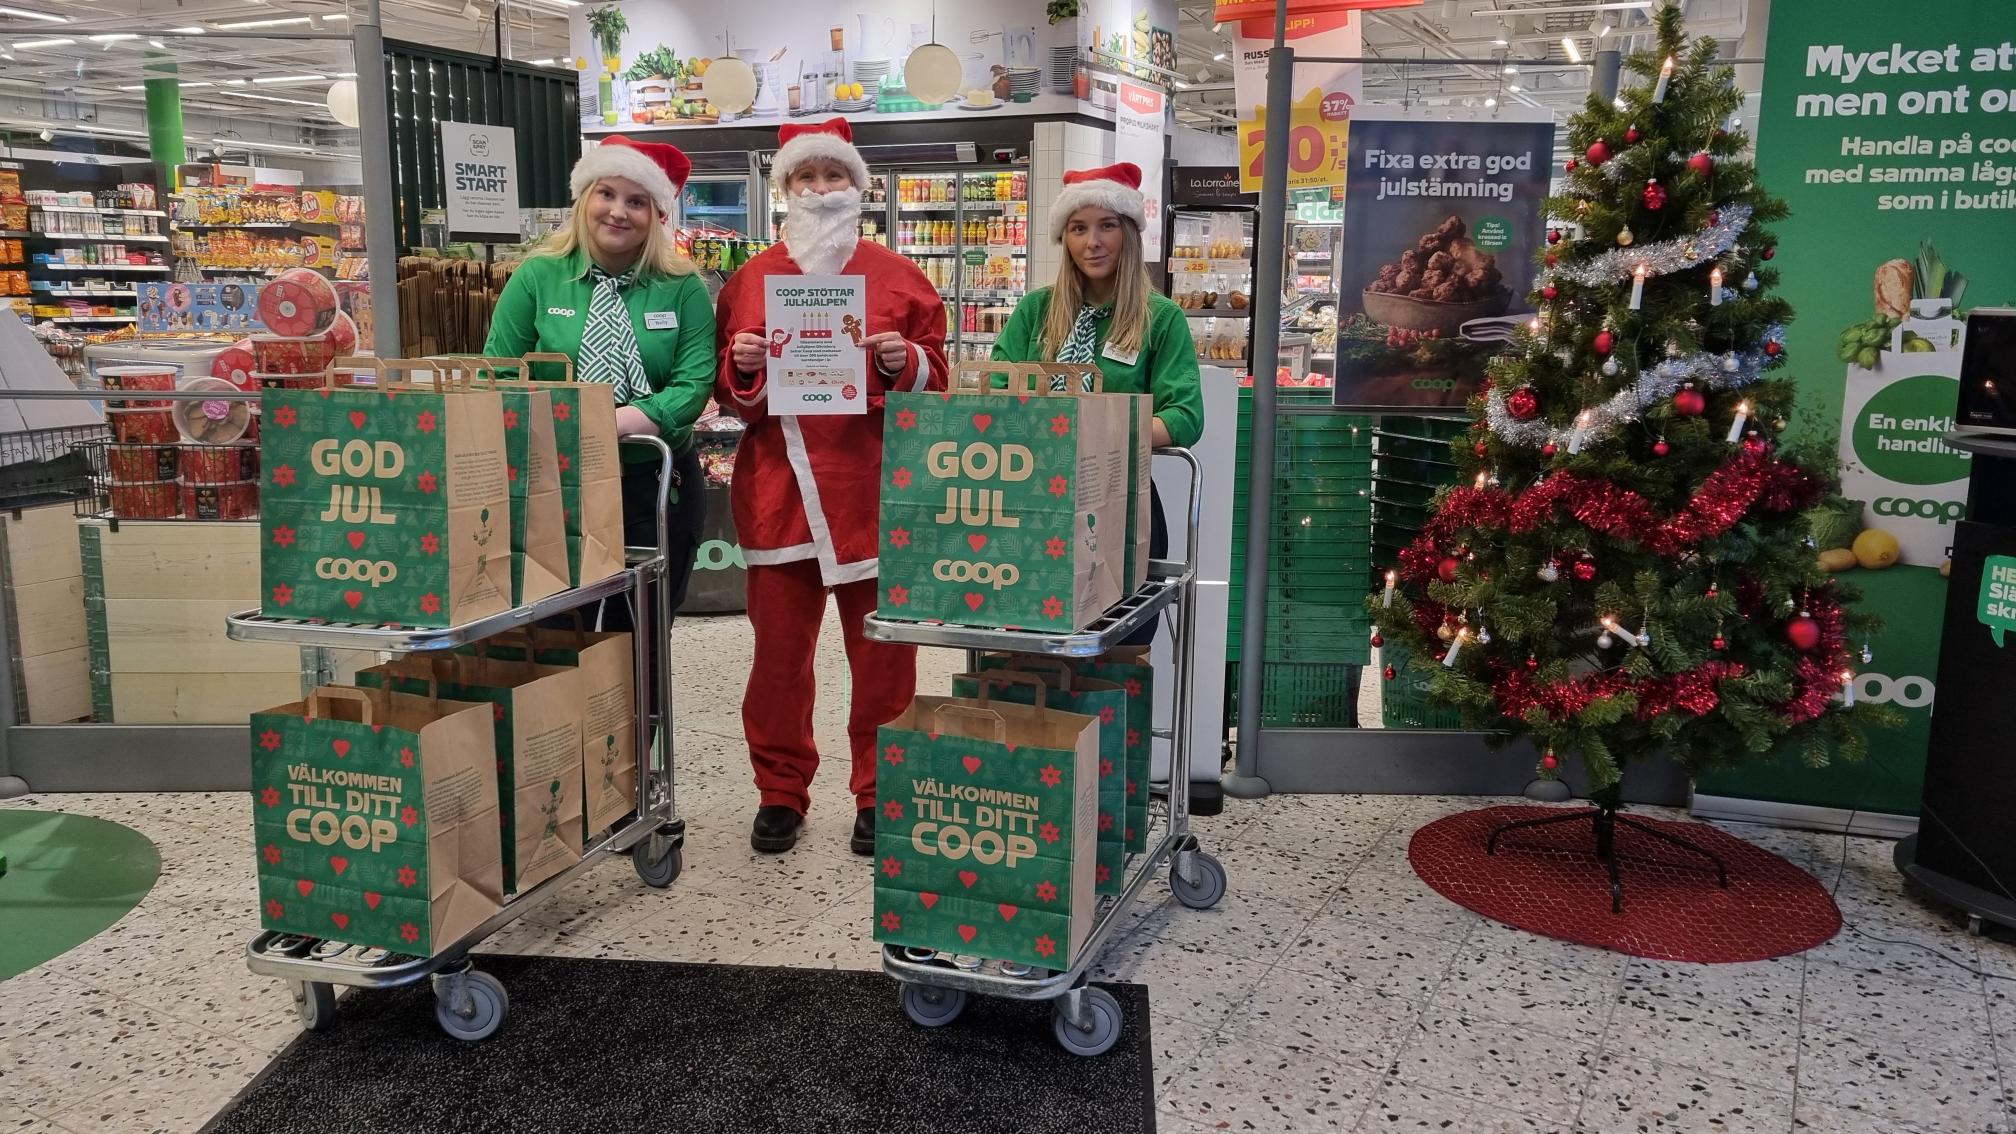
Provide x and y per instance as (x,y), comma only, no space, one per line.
(624,161)
(808,147)
(1109,195)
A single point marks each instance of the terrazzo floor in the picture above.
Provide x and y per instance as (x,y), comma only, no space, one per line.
(1329,991)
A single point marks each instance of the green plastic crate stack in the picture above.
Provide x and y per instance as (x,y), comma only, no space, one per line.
(1413,462)
(1320,533)
(1300,695)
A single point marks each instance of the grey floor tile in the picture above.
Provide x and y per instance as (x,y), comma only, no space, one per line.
(1556,987)
(1363,956)
(1497,1063)
(1629,1095)
(1246,1087)
(1915,1017)
(167,1097)
(1891,1082)
(1402,1108)
(1314,1014)
(1743,1027)
(1203,988)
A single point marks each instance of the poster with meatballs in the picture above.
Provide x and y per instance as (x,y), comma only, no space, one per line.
(1441,226)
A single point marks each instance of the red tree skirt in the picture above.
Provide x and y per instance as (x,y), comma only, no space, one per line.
(1547,880)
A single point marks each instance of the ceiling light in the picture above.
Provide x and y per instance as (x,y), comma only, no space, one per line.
(36,44)
(1574,52)
(114,37)
(1501,41)
(344,75)
(1602,30)
(245,25)
(271,98)
(338,16)
(157,45)
(185,31)
(263,79)
(1515,88)
(1490,102)
(25,14)
(1511,70)
(1218,58)
(46,135)
(1216,28)
(1181,85)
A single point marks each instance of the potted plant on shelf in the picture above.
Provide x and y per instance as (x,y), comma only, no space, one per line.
(608,25)
(1061,10)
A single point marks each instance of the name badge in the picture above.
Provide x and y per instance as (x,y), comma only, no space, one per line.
(1123,357)
(661,320)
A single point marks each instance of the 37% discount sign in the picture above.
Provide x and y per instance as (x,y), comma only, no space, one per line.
(1319,129)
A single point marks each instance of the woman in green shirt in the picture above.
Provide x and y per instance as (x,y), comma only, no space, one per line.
(1102,311)
(612,292)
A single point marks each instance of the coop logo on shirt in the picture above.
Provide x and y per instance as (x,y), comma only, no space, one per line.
(563,312)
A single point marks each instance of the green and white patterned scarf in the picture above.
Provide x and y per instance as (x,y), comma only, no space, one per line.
(1083,341)
(608,342)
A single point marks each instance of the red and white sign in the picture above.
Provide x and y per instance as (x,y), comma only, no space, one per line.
(1139,135)
(1229,10)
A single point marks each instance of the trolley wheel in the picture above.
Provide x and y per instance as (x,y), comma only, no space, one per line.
(315,1003)
(1210,885)
(932,1007)
(1103,1019)
(481,1009)
(661,871)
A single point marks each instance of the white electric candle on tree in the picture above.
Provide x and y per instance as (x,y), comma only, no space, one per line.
(1391,578)
(1847,689)
(1742,419)
(1575,439)
(1715,287)
(1665,77)
(1637,287)
(1455,644)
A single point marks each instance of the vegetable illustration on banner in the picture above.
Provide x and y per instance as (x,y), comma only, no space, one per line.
(815,362)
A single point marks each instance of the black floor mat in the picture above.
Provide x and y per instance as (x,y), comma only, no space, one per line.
(618,1046)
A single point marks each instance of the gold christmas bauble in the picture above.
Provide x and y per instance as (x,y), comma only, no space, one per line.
(1624,237)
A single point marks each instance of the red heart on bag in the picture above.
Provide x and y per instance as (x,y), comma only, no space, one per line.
(339,864)
(969,878)
(972,765)
(305,886)
(354,598)
(342,920)
(974,599)
(340,747)
(982,420)
(1008,912)
(967,933)
(356,541)
(372,899)
(357,418)
(976,542)
(929,899)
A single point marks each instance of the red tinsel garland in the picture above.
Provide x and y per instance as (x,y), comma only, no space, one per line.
(1726,496)
(1693,692)
(1819,676)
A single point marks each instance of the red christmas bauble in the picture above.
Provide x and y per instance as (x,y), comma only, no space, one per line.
(1660,448)
(1553,236)
(1584,570)
(1688,402)
(1549,292)
(1719,643)
(1702,163)
(1715,217)
(1391,673)
(1480,448)
(1774,348)
(1550,762)
(1547,450)
(1604,341)
(1523,404)
(1378,639)
(1552,259)
(1803,632)
(1446,570)
(1532,662)
(1755,444)
(1598,152)
(1631,135)
(1572,165)
(1655,195)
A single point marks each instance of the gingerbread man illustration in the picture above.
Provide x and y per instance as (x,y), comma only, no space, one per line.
(852,326)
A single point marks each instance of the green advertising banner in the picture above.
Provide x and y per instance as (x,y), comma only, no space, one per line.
(1888,130)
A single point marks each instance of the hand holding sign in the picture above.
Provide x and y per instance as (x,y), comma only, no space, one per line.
(746,351)
(888,349)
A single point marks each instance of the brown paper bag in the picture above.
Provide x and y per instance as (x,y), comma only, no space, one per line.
(607,666)
(539,565)
(376,817)
(591,473)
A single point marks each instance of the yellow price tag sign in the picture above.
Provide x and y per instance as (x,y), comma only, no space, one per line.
(1319,131)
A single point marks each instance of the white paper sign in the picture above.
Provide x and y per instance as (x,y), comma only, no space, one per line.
(1138,125)
(479,170)
(814,362)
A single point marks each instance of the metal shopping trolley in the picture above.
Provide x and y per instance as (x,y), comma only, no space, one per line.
(471,1005)
(1087,1020)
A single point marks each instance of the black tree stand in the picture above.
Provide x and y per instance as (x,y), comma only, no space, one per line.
(1604,816)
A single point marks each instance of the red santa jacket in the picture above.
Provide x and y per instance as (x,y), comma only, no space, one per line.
(809,487)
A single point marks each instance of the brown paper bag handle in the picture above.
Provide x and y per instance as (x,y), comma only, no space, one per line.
(341,693)
(970,378)
(988,716)
(476,371)
(351,362)
(1079,379)
(400,375)
(551,356)
(986,679)
(1043,665)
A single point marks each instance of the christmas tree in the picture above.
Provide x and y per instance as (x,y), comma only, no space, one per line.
(1626,566)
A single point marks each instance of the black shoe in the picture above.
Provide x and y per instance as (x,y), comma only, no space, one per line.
(776,829)
(863,841)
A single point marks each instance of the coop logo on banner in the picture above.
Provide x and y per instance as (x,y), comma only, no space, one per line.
(1326,94)
(1138,136)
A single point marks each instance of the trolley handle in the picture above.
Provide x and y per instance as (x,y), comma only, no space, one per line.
(665,463)
(1196,513)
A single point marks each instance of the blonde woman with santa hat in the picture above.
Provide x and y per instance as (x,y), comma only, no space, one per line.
(1102,312)
(612,291)
(806,489)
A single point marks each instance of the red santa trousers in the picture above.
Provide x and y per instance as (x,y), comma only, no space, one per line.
(787,603)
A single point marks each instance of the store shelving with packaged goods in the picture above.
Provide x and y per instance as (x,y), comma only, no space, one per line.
(1211,279)
(65,253)
(257,232)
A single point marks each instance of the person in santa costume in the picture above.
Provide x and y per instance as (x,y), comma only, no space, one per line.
(806,489)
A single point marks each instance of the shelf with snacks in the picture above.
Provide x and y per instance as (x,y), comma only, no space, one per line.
(289,225)
(83,319)
(94,210)
(100,237)
(929,249)
(83,292)
(101,268)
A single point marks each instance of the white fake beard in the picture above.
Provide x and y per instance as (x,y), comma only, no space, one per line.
(822,229)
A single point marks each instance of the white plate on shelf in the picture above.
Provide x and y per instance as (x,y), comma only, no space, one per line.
(989,106)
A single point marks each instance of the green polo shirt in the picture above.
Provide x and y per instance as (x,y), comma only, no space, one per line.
(544,308)
(1165,366)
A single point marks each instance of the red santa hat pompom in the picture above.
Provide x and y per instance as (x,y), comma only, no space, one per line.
(661,169)
(798,143)
(1116,188)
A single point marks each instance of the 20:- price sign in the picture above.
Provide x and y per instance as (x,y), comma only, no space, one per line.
(1318,142)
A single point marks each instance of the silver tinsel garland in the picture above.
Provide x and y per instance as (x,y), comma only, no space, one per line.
(1665,257)
(1706,371)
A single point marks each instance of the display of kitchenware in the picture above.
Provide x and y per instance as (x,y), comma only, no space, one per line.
(1063,62)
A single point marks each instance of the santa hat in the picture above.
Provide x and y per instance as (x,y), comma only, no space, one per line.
(1115,188)
(798,143)
(659,168)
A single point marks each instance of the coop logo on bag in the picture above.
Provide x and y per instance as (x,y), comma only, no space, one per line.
(1000,828)
(996,575)
(1909,692)
(376,572)
(1944,511)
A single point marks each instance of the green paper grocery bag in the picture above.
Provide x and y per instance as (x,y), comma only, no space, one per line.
(536,722)
(1129,667)
(1028,680)
(385,504)
(375,816)
(607,665)
(1004,508)
(539,565)
(591,472)
(985,841)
